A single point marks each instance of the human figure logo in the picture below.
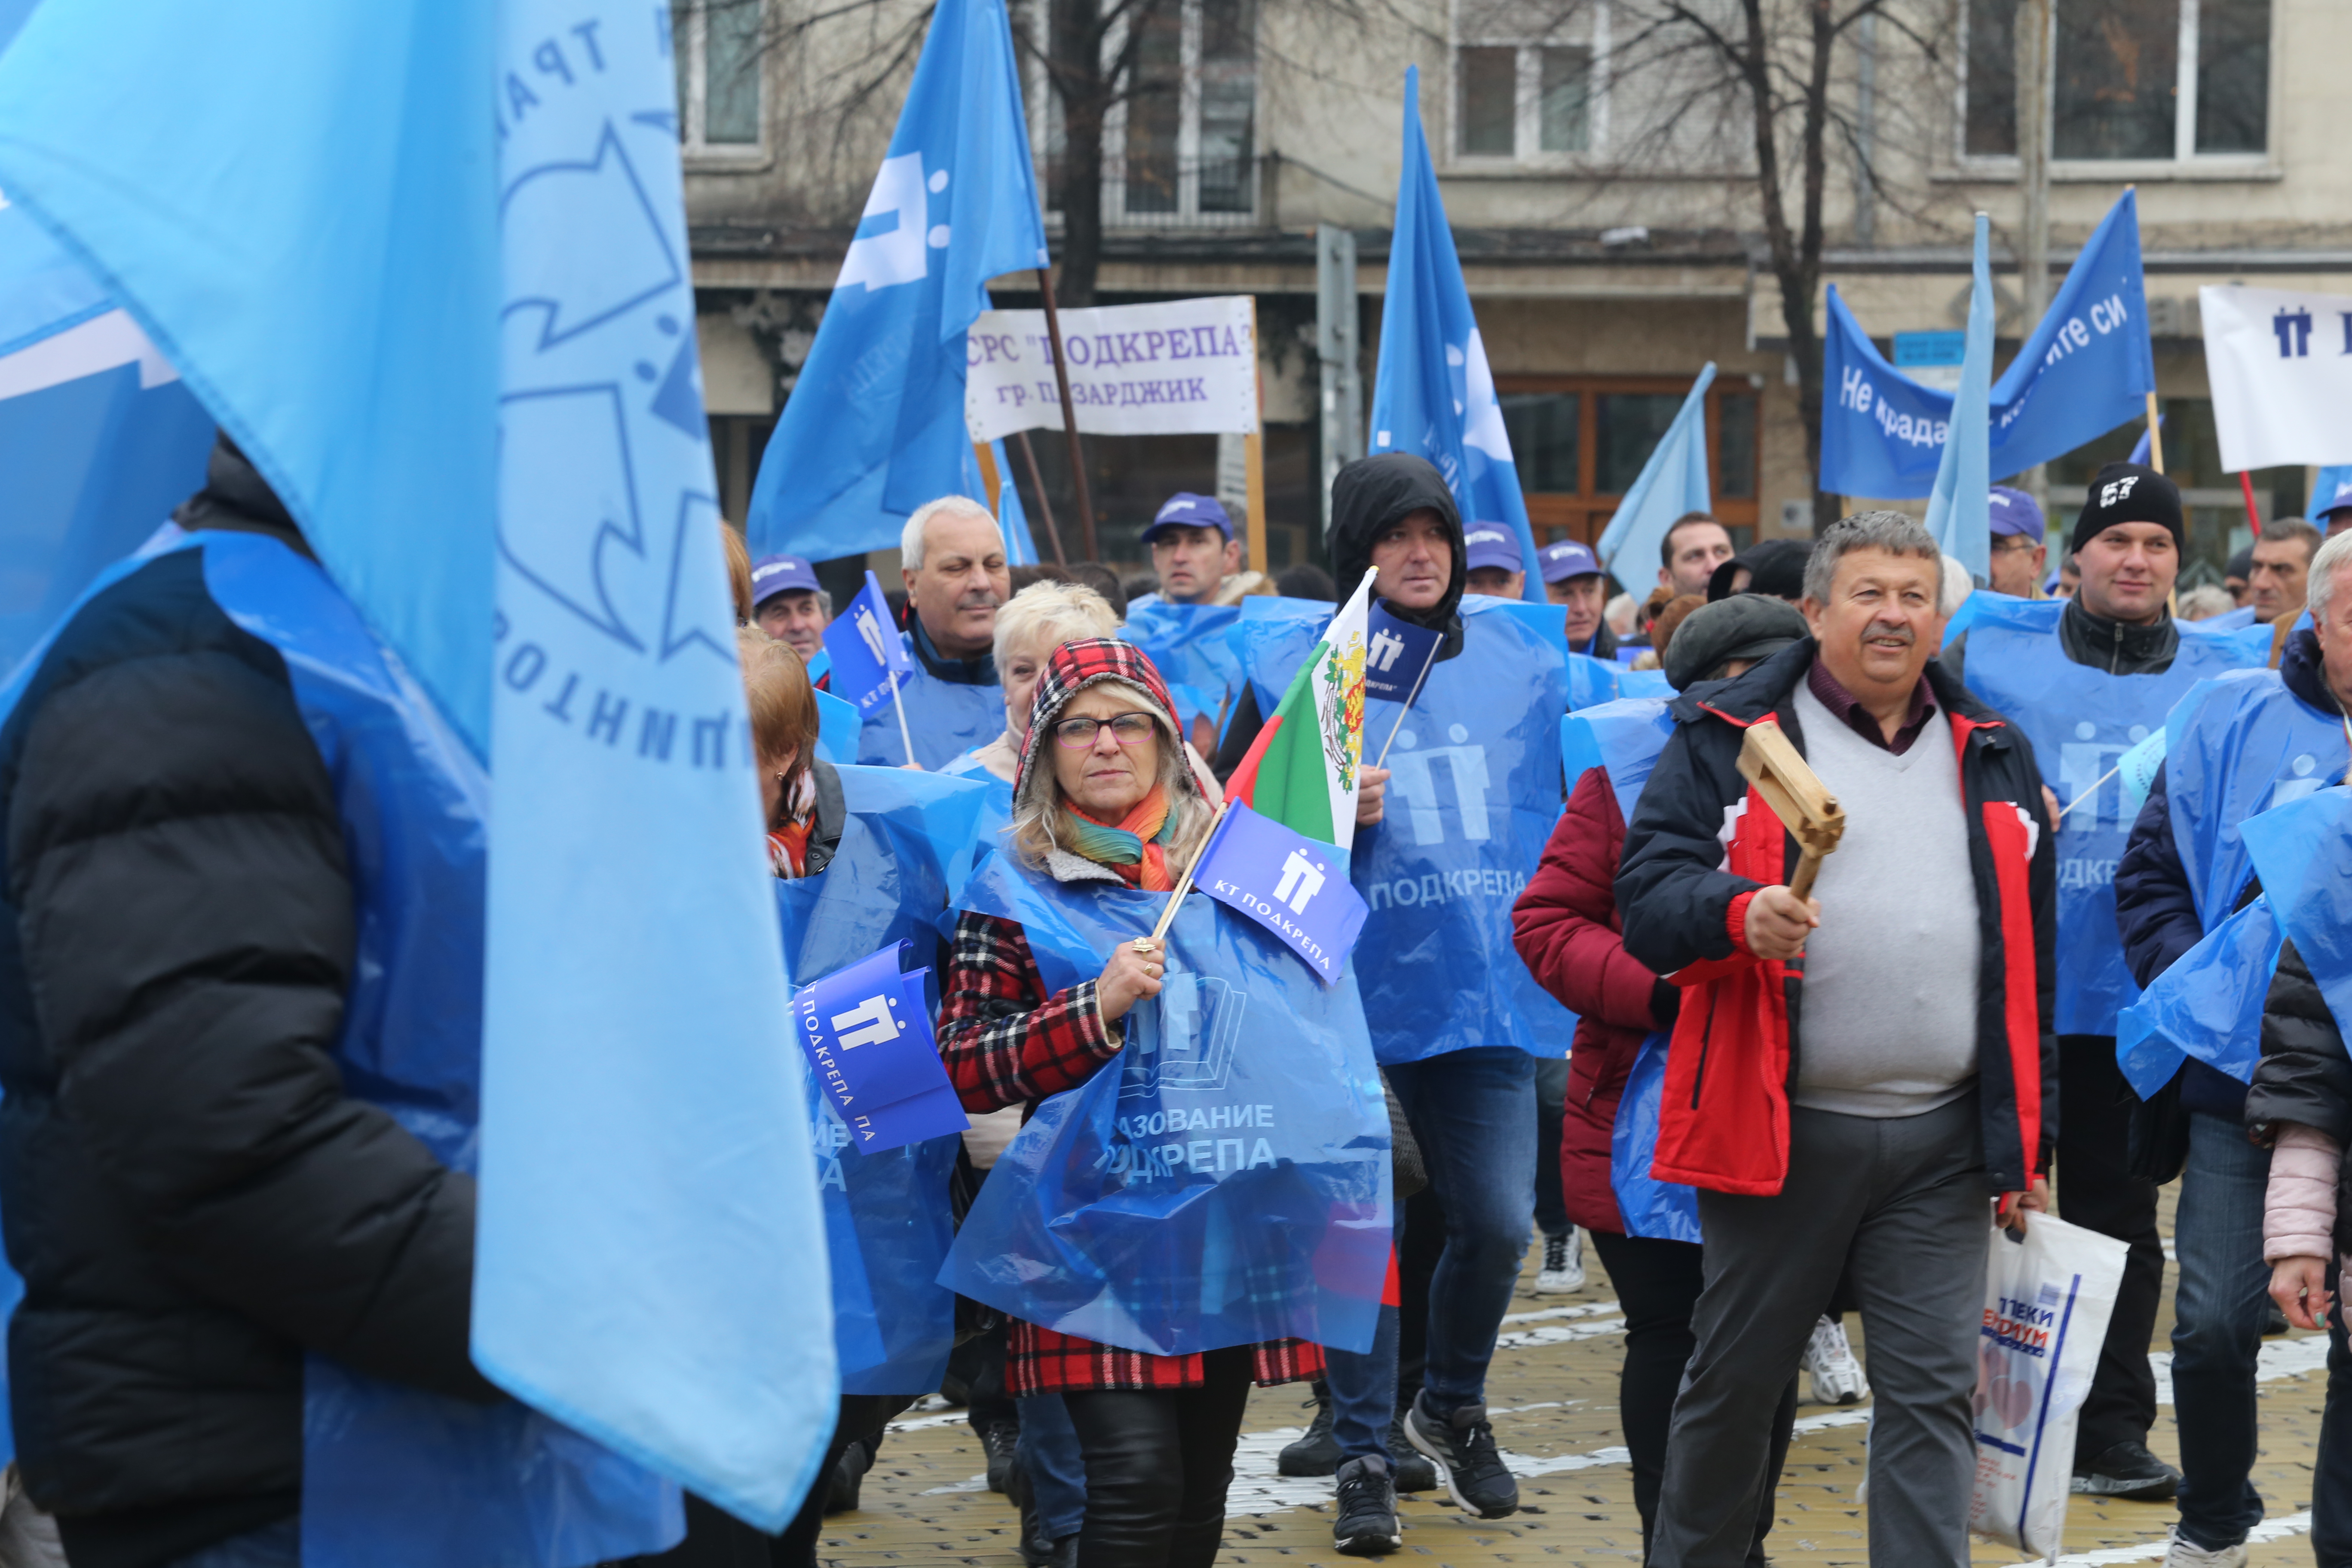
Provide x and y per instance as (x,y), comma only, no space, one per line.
(871,631)
(1385,648)
(1301,879)
(867,1023)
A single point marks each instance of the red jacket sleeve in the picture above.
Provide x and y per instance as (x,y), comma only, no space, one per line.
(1565,924)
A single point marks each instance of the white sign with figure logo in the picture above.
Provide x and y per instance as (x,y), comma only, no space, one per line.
(1178,367)
(2280,362)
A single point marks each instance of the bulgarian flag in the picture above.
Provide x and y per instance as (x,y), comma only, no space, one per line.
(1301,772)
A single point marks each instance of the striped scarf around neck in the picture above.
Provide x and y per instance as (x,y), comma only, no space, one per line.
(1135,846)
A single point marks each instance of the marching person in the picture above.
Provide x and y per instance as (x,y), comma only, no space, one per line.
(1493,559)
(1919,1072)
(1775,568)
(951,557)
(1573,579)
(2085,681)
(2280,571)
(2017,551)
(1196,555)
(788,604)
(1695,545)
(2252,742)
(1568,931)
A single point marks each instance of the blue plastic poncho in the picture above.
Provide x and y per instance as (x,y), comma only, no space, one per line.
(1193,648)
(945,719)
(2081,720)
(1665,1211)
(2303,852)
(1224,1180)
(1271,639)
(1623,738)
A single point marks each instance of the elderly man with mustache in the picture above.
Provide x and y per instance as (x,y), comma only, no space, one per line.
(951,556)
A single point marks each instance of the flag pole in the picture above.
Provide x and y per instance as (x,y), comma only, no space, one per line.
(2155,436)
(904,739)
(1408,701)
(1184,886)
(1069,418)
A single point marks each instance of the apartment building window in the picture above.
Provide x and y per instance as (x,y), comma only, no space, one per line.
(1579,441)
(1189,130)
(1522,100)
(2148,80)
(716,46)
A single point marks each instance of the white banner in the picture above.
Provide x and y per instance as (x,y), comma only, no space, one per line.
(1182,367)
(2281,368)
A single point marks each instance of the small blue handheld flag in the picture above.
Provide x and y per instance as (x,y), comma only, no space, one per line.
(867,1033)
(867,654)
(1288,883)
(1396,654)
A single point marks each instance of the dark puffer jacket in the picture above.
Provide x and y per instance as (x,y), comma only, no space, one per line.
(191,1196)
(2305,1076)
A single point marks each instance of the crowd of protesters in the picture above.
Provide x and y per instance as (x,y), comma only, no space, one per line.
(1861,1085)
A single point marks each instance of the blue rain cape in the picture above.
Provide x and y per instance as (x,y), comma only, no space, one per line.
(1224,1180)
(2303,852)
(1193,648)
(2081,720)
(1663,1211)
(1592,681)
(945,719)
(1624,738)
(394,1476)
(1474,792)
(996,801)
(1271,637)
(2208,1005)
(906,840)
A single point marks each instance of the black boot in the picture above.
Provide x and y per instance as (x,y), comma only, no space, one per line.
(1317,1453)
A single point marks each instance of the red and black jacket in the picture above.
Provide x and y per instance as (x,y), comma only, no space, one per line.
(1701,842)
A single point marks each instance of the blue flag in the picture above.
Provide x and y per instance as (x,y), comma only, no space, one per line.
(875,425)
(1672,482)
(1294,887)
(1396,654)
(1959,507)
(2141,449)
(1435,397)
(2087,368)
(867,1033)
(868,653)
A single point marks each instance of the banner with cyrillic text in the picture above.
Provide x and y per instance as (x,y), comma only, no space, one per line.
(1176,368)
(2281,365)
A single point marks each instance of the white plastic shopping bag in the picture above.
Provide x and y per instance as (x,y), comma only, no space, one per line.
(2047,1298)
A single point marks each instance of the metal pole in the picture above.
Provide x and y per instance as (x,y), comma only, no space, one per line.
(1336,346)
(2033,127)
(1045,507)
(1069,417)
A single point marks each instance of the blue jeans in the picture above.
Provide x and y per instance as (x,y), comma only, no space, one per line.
(2217,1330)
(278,1545)
(1364,1391)
(1057,1470)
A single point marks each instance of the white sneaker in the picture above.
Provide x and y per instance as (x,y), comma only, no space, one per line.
(1836,1376)
(2182,1552)
(1563,1264)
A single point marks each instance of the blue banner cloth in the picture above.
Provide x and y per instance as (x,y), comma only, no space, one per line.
(1286,882)
(866,650)
(1959,507)
(2303,852)
(1672,482)
(1624,738)
(2081,720)
(874,426)
(2208,1005)
(1224,1180)
(1662,1211)
(1474,792)
(867,1032)
(1434,395)
(2087,369)
(1396,653)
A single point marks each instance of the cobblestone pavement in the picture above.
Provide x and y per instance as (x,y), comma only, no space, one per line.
(1554,1395)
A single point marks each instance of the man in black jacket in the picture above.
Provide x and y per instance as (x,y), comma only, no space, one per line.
(193,1198)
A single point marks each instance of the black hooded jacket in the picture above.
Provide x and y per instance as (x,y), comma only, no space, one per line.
(1369,497)
(192,1199)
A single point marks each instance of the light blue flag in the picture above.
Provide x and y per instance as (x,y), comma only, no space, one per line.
(1671,483)
(1959,507)
(1434,395)
(875,426)
(1011,517)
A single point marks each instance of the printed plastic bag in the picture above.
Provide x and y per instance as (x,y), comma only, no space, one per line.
(1667,1211)
(2047,1298)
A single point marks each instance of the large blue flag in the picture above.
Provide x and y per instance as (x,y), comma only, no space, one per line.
(874,426)
(1671,483)
(1434,395)
(2087,368)
(1959,507)
(460,345)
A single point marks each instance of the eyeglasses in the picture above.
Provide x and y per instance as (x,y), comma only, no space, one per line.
(1128,729)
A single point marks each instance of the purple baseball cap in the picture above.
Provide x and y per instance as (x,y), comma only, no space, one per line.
(2013,511)
(1566,559)
(2336,503)
(1185,510)
(1489,544)
(777,575)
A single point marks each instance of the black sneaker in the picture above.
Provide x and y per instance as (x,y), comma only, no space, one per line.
(1000,1443)
(2129,1471)
(1367,1522)
(1413,1472)
(1463,1444)
(1316,1452)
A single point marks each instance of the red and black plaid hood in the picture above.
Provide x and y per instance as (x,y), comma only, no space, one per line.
(1079,665)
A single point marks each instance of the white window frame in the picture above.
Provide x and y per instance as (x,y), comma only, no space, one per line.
(696,43)
(1527,104)
(1188,212)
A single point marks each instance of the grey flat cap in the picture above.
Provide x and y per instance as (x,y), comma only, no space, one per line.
(1745,626)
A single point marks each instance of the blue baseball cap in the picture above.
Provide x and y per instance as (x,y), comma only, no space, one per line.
(1566,559)
(2013,511)
(1185,510)
(777,575)
(2336,503)
(1489,544)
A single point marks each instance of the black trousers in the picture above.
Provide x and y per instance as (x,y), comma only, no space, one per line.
(2097,1190)
(715,1539)
(1157,1464)
(1657,1284)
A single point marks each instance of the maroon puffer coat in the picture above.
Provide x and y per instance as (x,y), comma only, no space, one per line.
(1566,928)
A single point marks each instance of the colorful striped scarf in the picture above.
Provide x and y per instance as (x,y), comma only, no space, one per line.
(1134,846)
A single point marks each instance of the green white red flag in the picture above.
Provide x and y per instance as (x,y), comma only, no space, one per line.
(1302,771)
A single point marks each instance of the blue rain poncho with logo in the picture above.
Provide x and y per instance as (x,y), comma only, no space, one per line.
(905,841)
(394,1475)
(1224,1179)
(945,719)
(2081,722)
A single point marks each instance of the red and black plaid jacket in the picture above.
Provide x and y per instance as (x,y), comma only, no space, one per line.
(1007,1042)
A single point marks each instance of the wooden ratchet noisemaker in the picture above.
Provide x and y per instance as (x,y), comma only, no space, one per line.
(1797,797)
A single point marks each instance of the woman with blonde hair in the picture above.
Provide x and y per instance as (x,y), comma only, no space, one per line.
(1035,621)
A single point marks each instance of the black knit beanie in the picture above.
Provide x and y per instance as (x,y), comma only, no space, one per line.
(2127,492)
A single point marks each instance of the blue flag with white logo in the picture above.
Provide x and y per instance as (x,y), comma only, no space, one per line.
(1294,887)
(1959,507)
(867,1033)
(1671,483)
(1396,654)
(875,425)
(2087,368)
(868,653)
(1435,397)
